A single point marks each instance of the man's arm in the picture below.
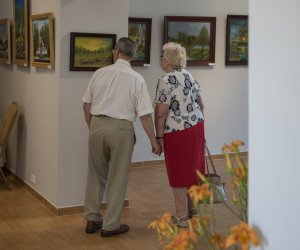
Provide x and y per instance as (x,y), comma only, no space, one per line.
(147,124)
(87,113)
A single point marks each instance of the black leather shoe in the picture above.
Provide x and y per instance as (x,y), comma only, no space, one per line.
(93,226)
(122,229)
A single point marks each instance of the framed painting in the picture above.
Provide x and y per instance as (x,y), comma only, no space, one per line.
(20,33)
(5,48)
(237,40)
(196,34)
(139,30)
(42,40)
(91,51)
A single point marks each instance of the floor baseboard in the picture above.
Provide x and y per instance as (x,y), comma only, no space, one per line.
(49,205)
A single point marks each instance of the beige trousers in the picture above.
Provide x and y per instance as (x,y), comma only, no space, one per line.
(111,144)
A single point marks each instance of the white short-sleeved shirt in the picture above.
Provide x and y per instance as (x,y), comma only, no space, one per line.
(181,91)
(119,92)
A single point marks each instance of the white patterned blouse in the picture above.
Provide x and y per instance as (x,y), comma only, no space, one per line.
(181,91)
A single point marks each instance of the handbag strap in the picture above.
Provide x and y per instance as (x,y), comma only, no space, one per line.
(210,160)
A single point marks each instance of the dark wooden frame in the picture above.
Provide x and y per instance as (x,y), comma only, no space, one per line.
(231,18)
(148,23)
(39,63)
(22,62)
(191,19)
(6,22)
(74,35)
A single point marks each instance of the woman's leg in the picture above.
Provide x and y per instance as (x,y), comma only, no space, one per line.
(191,204)
(180,198)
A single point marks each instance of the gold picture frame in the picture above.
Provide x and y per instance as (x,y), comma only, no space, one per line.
(5,41)
(20,33)
(42,40)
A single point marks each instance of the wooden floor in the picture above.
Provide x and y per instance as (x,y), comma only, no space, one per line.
(25,223)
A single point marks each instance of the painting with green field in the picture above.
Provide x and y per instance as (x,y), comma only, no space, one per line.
(91,51)
(196,34)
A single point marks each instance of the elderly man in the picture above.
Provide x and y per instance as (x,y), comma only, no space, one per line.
(115,96)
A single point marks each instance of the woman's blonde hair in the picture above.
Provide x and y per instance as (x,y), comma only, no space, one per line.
(175,55)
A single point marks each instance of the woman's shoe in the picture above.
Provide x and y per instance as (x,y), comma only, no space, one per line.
(193,213)
(180,221)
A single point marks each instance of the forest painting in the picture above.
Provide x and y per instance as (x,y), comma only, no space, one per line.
(42,41)
(196,34)
(139,30)
(91,51)
(5,49)
(21,32)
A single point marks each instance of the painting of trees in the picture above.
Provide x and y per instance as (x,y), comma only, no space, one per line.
(139,30)
(42,40)
(90,51)
(5,49)
(237,40)
(20,32)
(196,34)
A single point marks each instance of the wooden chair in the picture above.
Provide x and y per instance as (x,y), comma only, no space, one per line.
(5,128)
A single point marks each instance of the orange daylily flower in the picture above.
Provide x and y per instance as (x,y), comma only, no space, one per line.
(241,172)
(238,143)
(218,240)
(162,223)
(196,224)
(233,147)
(242,235)
(182,241)
(200,193)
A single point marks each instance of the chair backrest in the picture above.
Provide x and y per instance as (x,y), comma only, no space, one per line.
(7,122)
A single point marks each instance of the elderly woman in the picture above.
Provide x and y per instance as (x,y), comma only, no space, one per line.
(179,125)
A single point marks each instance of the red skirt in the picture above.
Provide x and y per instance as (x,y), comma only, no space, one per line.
(184,154)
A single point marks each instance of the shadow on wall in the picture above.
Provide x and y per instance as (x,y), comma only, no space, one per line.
(21,146)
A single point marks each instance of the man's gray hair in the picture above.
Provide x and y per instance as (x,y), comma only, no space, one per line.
(126,46)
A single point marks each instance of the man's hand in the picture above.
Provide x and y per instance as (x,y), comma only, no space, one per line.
(87,113)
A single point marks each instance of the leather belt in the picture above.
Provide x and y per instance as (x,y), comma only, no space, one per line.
(101,116)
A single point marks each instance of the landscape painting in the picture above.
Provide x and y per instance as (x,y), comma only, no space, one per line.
(42,40)
(139,30)
(237,40)
(196,34)
(91,51)
(5,48)
(21,32)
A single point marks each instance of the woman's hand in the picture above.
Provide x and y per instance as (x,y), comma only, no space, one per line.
(161,142)
(156,148)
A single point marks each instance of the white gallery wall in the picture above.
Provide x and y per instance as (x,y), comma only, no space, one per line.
(53,138)
(33,148)
(274,122)
(224,88)
(80,16)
